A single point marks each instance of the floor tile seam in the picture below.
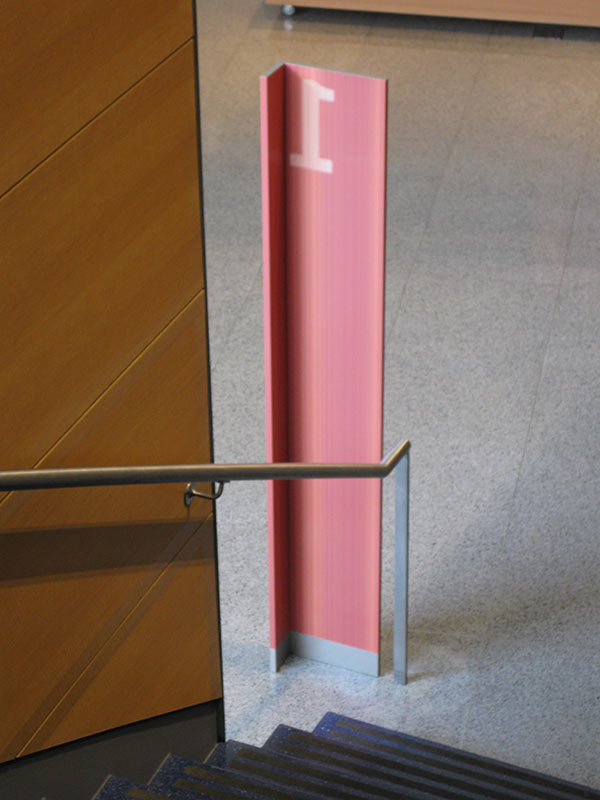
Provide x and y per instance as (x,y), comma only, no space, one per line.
(468,706)
(237,41)
(212,92)
(566,267)
(548,337)
(471,700)
(365,47)
(594,126)
(440,181)
(219,356)
(536,396)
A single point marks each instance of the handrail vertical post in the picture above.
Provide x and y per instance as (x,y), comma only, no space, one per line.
(401,495)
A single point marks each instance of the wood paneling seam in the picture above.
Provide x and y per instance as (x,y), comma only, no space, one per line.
(103,394)
(94,118)
(123,623)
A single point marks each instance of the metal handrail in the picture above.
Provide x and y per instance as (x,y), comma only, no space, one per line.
(72,477)
(396,461)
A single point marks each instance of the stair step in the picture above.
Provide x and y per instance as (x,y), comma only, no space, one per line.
(389,779)
(302,778)
(389,744)
(115,788)
(178,777)
(342,759)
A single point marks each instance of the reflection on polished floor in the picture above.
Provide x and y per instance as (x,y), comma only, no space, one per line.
(492,370)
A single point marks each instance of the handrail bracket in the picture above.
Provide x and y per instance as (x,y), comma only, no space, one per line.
(191,492)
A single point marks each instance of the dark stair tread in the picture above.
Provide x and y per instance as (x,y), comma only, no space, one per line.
(354,733)
(343,759)
(438,777)
(364,768)
(178,774)
(320,777)
(115,788)
(180,778)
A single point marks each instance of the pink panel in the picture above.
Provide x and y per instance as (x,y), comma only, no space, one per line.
(330,250)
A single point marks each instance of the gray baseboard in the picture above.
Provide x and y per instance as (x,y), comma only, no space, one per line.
(278,655)
(334,653)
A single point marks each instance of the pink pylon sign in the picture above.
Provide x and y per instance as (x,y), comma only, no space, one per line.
(323,139)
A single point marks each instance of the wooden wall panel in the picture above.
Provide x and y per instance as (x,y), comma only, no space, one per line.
(62,63)
(74,563)
(101,248)
(108,605)
(163,657)
(560,12)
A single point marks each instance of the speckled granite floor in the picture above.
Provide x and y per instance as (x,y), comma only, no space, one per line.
(492,370)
